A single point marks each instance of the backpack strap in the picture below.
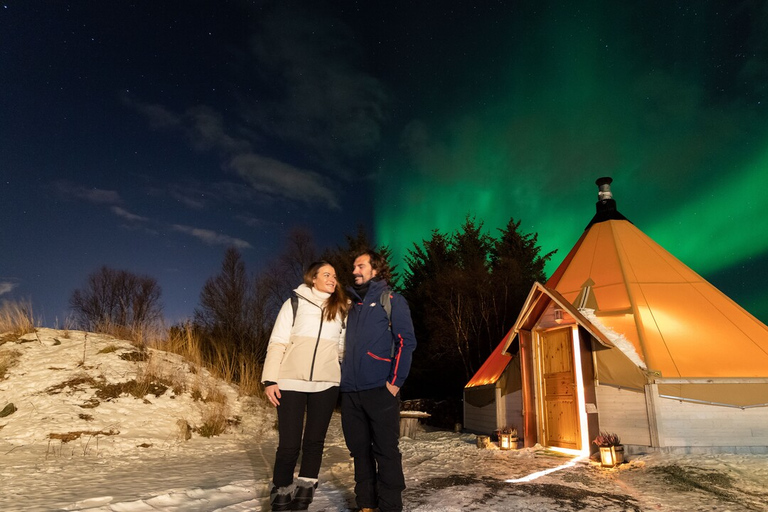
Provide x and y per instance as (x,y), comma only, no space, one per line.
(386,302)
(294,305)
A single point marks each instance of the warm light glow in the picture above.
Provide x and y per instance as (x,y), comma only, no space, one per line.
(558,315)
(606,456)
(670,322)
(580,396)
(534,476)
(567,451)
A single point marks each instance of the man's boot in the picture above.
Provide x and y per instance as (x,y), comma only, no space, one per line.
(305,492)
(281,498)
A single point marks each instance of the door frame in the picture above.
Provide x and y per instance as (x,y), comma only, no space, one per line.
(582,444)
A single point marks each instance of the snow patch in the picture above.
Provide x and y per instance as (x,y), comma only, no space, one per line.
(617,339)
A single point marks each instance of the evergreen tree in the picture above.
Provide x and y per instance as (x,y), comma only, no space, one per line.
(465,290)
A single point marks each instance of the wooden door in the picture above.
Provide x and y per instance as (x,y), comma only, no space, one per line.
(561,412)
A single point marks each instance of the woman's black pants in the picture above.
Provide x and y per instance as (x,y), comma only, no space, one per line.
(297,438)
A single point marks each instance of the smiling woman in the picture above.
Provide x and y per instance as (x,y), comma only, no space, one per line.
(301,378)
(325,279)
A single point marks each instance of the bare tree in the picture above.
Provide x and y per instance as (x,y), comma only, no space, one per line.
(225,312)
(117,299)
(280,277)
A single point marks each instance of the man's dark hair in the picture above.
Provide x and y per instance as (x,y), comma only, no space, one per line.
(378,263)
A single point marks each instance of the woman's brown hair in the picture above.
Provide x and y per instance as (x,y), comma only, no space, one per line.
(337,304)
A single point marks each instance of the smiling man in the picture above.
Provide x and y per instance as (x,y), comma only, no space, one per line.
(377,358)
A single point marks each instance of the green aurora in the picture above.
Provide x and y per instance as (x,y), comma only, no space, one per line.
(669,101)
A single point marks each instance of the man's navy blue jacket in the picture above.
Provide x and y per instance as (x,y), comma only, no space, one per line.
(368,362)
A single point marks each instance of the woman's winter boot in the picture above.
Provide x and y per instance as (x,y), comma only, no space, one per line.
(305,492)
(281,498)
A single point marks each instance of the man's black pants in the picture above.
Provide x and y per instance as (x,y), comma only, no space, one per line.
(371,423)
(290,420)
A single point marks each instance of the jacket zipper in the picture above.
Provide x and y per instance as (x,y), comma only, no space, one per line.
(379,358)
(352,365)
(317,344)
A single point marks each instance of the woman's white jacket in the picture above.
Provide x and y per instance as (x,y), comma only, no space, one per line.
(308,347)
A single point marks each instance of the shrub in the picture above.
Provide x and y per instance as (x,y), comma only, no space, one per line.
(607,439)
(214,421)
(509,429)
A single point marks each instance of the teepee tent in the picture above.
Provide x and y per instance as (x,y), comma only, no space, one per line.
(626,338)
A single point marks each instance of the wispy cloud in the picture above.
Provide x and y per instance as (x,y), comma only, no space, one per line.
(263,174)
(207,132)
(121,212)
(194,202)
(90,194)
(197,196)
(251,221)
(274,177)
(157,115)
(7,287)
(211,237)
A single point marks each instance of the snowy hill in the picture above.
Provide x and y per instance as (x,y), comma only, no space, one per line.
(97,424)
(95,395)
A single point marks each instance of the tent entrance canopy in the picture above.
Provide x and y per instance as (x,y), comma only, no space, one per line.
(614,366)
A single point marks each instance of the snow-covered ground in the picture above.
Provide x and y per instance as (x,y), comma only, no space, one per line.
(76,443)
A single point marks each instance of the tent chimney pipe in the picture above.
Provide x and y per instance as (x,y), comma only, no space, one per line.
(605,200)
(606,206)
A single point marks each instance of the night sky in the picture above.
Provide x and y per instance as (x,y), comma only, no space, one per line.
(150,136)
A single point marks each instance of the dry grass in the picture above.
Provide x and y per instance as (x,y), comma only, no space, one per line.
(67,325)
(139,335)
(135,388)
(85,446)
(185,342)
(214,421)
(74,384)
(243,370)
(66,437)
(250,377)
(8,358)
(116,331)
(16,317)
(150,380)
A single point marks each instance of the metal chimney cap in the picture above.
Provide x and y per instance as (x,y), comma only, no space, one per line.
(606,205)
(604,188)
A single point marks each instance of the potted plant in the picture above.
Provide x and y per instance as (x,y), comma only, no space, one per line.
(507,438)
(611,450)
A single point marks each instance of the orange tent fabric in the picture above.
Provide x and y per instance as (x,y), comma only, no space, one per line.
(679,324)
